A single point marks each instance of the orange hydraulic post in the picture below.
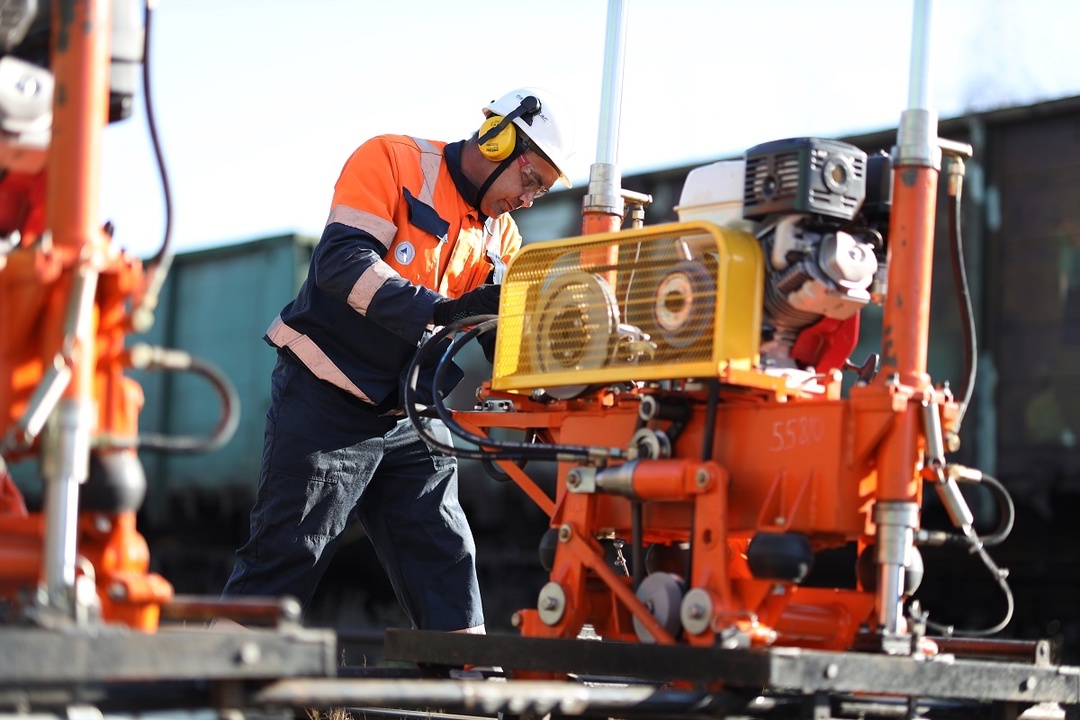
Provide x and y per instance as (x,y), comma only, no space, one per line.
(604,259)
(905,330)
(906,324)
(81,65)
(594,222)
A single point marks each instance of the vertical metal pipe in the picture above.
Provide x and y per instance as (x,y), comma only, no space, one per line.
(65,447)
(916,165)
(602,207)
(896,522)
(916,140)
(607,143)
(919,79)
(906,325)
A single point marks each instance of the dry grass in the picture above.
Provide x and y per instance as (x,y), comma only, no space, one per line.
(332,714)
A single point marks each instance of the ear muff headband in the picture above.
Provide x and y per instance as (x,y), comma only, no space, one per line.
(498,136)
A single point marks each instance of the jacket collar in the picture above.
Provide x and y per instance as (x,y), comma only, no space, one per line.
(452,154)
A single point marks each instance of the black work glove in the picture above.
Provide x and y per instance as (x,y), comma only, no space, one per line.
(484,300)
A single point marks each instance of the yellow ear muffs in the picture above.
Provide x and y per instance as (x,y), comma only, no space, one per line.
(496,144)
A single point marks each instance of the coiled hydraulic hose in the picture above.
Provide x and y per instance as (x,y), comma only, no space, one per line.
(487,448)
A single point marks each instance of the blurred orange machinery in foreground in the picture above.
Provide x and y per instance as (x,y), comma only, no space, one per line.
(70,300)
(66,292)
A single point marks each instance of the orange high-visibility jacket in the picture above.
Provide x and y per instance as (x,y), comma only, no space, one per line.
(401,236)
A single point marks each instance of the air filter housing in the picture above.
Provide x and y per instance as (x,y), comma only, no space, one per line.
(804,175)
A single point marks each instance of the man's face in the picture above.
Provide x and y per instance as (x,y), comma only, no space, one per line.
(529,178)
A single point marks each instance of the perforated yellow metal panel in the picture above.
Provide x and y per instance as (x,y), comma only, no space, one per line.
(673,301)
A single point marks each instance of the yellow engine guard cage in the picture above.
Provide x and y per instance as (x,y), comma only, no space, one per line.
(673,301)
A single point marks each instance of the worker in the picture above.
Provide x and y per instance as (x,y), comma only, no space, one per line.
(418,236)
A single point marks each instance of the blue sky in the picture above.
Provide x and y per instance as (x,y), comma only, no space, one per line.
(259,102)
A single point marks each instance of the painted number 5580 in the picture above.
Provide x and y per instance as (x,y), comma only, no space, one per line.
(796,432)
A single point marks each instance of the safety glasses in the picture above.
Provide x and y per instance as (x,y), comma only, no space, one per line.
(531,181)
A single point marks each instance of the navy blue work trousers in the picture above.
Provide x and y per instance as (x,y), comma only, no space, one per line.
(327,454)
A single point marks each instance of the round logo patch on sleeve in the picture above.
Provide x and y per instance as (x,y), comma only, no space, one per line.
(404,253)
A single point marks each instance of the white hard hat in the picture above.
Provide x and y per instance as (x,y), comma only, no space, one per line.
(551,129)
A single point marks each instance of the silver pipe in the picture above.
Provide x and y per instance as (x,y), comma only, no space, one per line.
(919,81)
(607,143)
(43,401)
(605,180)
(67,445)
(65,449)
(482,697)
(916,140)
(896,522)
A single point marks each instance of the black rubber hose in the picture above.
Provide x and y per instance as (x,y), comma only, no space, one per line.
(487,448)
(963,297)
(154,358)
(543,452)
(999,576)
(1006,519)
(1006,508)
(977,546)
(158,266)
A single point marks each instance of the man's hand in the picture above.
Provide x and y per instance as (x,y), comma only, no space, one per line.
(484,300)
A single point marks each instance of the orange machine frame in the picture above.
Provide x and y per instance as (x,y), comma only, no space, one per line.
(837,470)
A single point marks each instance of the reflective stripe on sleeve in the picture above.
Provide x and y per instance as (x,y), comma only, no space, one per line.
(380,228)
(305,349)
(368,284)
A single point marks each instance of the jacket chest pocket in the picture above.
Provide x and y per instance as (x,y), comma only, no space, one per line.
(417,251)
(465,268)
(468,266)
